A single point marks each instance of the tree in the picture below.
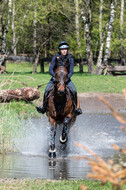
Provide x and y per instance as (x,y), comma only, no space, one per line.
(122,49)
(86,17)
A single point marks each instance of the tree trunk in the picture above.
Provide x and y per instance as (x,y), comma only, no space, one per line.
(99,66)
(108,39)
(77,25)
(122,51)
(35,32)
(4,35)
(86,16)
(110,27)
(27,94)
(36,63)
(9,11)
(13,29)
(0,26)
(100,20)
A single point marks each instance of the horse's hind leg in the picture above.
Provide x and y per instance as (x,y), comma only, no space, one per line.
(52,150)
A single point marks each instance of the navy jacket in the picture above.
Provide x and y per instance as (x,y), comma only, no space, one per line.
(54,64)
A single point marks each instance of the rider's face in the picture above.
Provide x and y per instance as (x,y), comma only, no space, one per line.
(63,51)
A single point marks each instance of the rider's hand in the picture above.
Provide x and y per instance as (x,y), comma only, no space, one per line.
(67,81)
(54,79)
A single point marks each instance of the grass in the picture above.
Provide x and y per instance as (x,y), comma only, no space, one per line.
(20,75)
(51,184)
(11,126)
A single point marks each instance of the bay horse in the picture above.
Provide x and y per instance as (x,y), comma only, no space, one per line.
(60,109)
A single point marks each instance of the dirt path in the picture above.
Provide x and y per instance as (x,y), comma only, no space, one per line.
(89,102)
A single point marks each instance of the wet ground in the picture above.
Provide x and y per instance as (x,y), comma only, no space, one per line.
(96,128)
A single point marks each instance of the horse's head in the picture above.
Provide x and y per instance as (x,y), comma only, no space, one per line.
(61,78)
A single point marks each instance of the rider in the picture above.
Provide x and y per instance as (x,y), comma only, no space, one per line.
(61,58)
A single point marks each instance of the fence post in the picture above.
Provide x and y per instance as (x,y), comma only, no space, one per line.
(81,66)
(42,66)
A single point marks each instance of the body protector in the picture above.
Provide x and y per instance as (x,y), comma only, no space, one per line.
(62,62)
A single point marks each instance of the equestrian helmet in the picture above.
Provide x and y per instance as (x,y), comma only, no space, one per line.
(63,44)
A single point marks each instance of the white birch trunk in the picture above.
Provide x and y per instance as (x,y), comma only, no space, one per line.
(89,56)
(122,49)
(121,16)
(13,28)
(9,11)
(100,20)
(77,25)
(110,27)
(99,66)
(4,39)
(35,32)
(0,33)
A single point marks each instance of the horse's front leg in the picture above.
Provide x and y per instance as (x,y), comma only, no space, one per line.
(52,150)
(63,137)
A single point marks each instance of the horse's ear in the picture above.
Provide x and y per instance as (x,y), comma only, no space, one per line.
(70,53)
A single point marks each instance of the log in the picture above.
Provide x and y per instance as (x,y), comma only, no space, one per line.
(113,69)
(27,94)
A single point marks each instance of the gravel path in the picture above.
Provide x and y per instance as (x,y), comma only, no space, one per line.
(90,104)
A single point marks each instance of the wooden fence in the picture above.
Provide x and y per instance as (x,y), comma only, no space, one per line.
(42,61)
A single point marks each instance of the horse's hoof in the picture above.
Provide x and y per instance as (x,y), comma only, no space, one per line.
(63,147)
(63,141)
(52,153)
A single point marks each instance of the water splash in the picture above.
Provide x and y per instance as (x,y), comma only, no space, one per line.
(96,131)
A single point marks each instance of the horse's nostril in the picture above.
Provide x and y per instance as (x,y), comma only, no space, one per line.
(61,92)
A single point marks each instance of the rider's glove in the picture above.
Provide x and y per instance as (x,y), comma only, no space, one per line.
(67,81)
(53,79)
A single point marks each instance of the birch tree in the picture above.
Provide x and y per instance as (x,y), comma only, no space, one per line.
(86,17)
(9,11)
(0,25)
(35,29)
(13,28)
(122,54)
(109,33)
(100,66)
(100,20)
(77,26)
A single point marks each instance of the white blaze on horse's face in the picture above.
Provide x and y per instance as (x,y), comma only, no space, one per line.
(61,77)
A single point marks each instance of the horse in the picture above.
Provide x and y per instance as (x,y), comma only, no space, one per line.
(60,109)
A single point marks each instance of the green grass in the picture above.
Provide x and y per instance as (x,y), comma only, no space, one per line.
(55,185)
(11,126)
(20,75)
(84,82)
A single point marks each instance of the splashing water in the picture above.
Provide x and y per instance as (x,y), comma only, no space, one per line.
(96,131)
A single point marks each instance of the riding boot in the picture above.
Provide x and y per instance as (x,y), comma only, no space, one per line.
(42,109)
(78,111)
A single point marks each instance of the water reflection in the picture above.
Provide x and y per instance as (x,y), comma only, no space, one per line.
(22,166)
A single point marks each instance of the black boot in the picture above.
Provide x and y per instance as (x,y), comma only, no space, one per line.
(42,109)
(77,111)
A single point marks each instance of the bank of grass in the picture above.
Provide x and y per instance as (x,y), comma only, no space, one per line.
(11,127)
(55,185)
(20,75)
